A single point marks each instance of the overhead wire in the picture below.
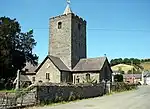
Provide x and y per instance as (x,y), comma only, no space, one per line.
(103,29)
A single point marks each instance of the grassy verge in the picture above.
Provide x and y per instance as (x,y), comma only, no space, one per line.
(8,91)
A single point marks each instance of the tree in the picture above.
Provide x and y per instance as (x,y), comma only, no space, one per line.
(116,61)
(15,47)
(125,61)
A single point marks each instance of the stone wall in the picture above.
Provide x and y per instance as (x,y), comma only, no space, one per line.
(48,67)
(68,42)
(60,39)
(68,93)
(27,98)
(78,40)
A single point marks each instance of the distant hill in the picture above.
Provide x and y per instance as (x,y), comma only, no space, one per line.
(146,65)
(123,67)
(125,64)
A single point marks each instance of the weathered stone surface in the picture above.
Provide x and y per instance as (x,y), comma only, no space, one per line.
(136,99)
(48,67)
(104,74)
(61,93)
(69,42)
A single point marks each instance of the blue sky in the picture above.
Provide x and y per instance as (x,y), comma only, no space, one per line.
(118,28)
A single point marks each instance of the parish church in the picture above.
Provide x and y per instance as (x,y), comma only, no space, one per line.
(67,60)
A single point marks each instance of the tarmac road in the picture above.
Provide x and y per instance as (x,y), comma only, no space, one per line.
(136,99)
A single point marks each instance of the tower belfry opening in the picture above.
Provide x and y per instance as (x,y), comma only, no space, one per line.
(67,38)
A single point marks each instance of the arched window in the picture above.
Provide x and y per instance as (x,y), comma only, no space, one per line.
(59,25)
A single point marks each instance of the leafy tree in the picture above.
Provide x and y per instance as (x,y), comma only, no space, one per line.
(15,47)
(145,60)
(125,61)
(135,62)
(116,61)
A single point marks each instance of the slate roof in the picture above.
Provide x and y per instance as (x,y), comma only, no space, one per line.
(23,78)
(31,68)
(56,61)
(90,64)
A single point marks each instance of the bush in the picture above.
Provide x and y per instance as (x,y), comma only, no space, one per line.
(121,86)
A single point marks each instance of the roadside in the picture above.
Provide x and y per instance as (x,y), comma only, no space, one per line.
(135,99)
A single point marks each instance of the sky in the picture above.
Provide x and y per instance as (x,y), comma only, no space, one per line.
(117,28)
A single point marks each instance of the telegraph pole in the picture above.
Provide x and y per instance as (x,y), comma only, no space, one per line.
(132,71)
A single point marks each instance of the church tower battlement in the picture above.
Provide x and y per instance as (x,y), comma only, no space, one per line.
(67,38)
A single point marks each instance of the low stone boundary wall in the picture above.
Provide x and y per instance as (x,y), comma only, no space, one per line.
(48,94)
(18,99)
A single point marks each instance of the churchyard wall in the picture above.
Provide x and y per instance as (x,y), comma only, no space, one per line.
(57,93)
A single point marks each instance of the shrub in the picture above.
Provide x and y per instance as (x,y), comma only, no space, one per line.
(121,86)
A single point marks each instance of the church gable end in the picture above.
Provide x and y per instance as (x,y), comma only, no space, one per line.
(48,72)
(106,72)
(96,68)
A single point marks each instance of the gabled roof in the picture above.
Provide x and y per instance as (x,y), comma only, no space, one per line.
(90,64)
(30,68)
(56,61)
(23,78)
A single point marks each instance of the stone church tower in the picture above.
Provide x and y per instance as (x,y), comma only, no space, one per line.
(67,38)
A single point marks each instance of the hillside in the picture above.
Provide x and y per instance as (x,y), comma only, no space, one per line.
(123,67)
(146,65)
